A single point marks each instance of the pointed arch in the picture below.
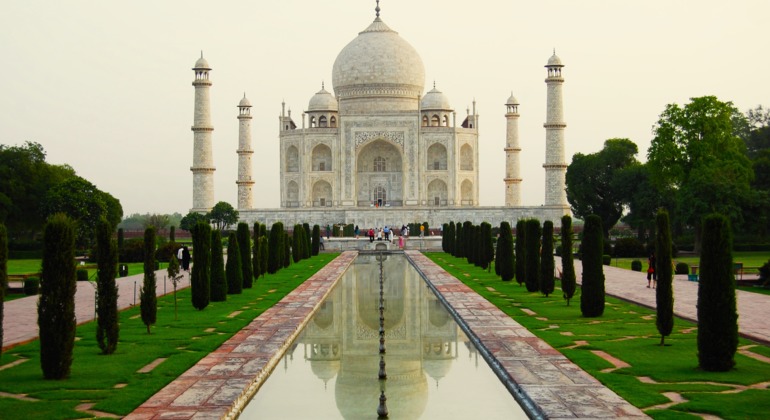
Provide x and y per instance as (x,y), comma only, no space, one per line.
(322,158)
(438,193)
(292,159)
(437,157)
(322,194)
(466,158)
(466,193)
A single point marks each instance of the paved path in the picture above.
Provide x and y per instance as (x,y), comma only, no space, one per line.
(753,308)
(20,315)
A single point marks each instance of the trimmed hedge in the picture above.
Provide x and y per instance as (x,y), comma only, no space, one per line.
(606,259)
(636,265)
(31,286)
(682,268)
(628,248)
(82,274)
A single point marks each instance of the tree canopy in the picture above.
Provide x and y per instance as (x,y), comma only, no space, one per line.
(223,215)
(593,181)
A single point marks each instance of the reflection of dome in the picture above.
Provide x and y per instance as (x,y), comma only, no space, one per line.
(322,101)
(358,395)
(325,370)
(435,100)
(437,314)
(325,315)
(437,368)
(368,303)
(378,62)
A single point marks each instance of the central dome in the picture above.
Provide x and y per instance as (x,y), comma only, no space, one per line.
(378,63)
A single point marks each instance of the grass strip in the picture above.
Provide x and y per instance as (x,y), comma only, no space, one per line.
(628,332)
(112,382)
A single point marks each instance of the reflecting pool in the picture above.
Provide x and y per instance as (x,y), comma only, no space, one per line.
(332,370)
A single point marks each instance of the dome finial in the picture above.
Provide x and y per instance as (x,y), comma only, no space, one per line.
(322,85)
(377,9)
(434,84)
(201,53)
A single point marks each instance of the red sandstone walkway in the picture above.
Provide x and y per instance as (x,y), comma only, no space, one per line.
(753,308)
(20,315)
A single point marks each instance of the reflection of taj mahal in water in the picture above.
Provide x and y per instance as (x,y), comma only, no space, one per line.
(425,347)
(380,150)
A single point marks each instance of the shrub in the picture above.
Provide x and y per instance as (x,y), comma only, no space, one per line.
(275,248)
(3,275)
(165,251)
(132,251)
(592,294)
(606,259)
(219,284)
(636,265)
(56,306)
(123,270)
(764,274)
(717,315)
(682,268)
(568,281)
(316,240)
(31,286)
(82,274)
(255,263)
(486,247)
(628,248)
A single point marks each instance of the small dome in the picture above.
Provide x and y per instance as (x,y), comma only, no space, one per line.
(202,64)
(323,101)
(554,61)
(435,100)
(512,100)
(244,102)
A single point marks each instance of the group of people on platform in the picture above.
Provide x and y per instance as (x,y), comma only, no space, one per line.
(385,233)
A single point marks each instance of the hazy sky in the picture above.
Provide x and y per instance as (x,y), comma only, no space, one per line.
(105,86)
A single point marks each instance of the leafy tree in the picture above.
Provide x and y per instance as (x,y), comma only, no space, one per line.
(191,219)
(223,215)
(592,294)
(316,240)
(521,251)
(532,280)
(173,275)
(505,261)
(120,240)
(568,281)
(148,297)
(107,326)
(56,307)
(3,276)
(758,136)
(664,293)
(25,178)
(275,248)
(592,186)
(717,314)
(244,246)
(85,204)
(200,276)
(219,284)
(156,221)
(698,157)
(547,265)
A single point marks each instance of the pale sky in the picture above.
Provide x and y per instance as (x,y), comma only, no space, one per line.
(105,86)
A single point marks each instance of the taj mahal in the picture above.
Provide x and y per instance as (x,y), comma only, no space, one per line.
(379,150)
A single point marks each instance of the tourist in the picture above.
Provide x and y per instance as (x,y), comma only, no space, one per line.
(180,254)
(386,232)
(356,231)
(652,276)
(401,241)
(328,231)
(321,244)
(371,235)
(185,258)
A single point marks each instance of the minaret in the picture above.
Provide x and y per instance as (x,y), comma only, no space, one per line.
(203,159)
(555,167)
(244,181)
(512,149)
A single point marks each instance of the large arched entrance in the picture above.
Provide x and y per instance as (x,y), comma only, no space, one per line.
(379,175)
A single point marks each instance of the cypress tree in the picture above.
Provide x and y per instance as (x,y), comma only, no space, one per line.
(664,293)
(172,233)
(450,233)
(592,294)
(275,248)
(120,242)
(717,315)
(244,245)
(56,307)
(200,277)
(521,251)
(308,235)
(547,265)
(506,262)
(297,243)
(107,326)
(316,240)
(255,257)
(235,282)
(218,283)
(286,249)
(487,248)
(532,244)
(458,240)
(263,254)
(147,293)
(3,276)
(568,281)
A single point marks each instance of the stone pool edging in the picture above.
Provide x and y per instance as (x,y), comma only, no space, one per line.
(559,388)
(223,382)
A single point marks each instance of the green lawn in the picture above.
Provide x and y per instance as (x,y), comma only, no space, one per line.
(749,259)
(112,382)
(628,332)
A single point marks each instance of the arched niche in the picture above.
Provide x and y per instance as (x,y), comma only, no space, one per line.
(437,157)
(322,194)
(322,158)
(437,193)
(466,193)
(292,159)
(466,158)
